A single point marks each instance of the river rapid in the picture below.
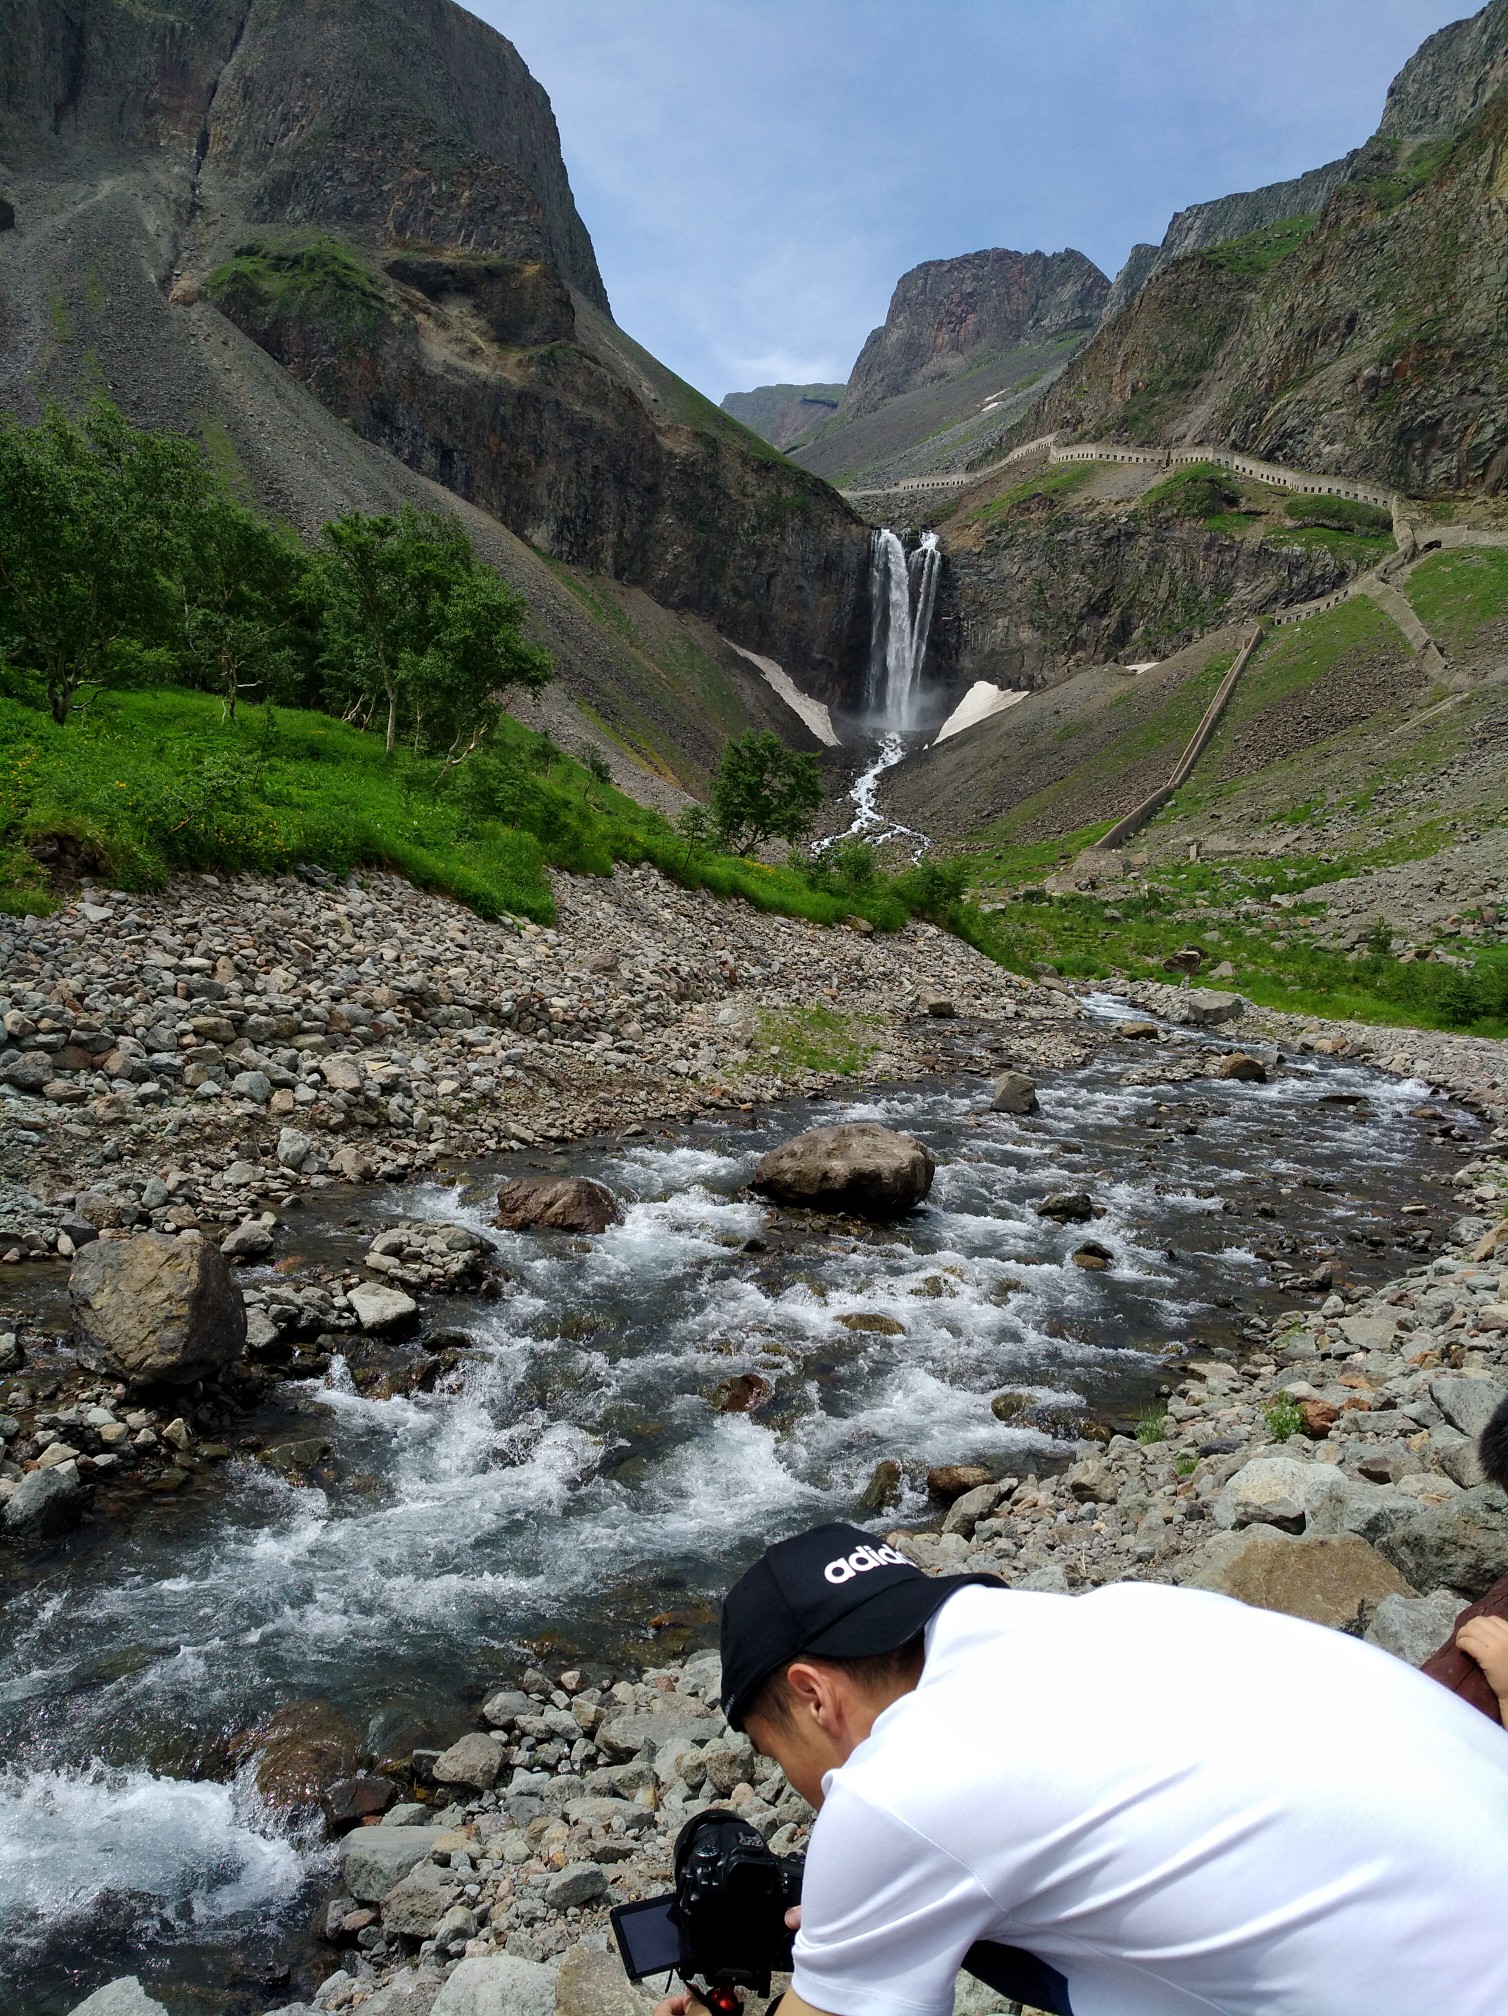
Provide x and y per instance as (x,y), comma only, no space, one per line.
(574,1490)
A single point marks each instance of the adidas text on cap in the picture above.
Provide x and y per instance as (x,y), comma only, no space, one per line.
(835,1591)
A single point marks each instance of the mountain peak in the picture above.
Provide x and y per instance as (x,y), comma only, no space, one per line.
(947,313)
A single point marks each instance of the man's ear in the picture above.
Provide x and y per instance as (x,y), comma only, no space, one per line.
(814,1694)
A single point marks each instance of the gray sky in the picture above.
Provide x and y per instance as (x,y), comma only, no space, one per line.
(757,174)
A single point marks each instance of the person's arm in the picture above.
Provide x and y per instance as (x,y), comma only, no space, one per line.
(1485,1639)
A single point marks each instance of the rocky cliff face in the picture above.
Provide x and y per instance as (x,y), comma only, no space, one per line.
(948,312)
(1028,598)
(1449,78)
(1205,224)
(1445,83)
(1375,347)
(380,197)
(403,119)
(489,377)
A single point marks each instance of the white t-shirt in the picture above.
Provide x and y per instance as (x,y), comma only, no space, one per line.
(1181,1803)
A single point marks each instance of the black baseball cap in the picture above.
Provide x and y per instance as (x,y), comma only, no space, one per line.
(834,1591)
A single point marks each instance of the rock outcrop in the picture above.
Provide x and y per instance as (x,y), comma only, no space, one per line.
(1346,321)
(1449,77)
(156,1311)
(856,1166)
(946,313)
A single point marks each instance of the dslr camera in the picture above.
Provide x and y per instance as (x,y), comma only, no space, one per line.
(723,1926)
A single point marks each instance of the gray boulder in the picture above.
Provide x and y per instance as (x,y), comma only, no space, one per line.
(555,1204)
(1014,1093)
(1467,1404)
(1207,1006)
(1462,1545)
(625,1735)
(474,1761)
(856,1166)
(498,1985)
(378,1307)
(1282,1492)
(578,1883)
(44,1504)
(418,1901)
(251,1240)
(154,1310)
(373,1859)
(592,1983)
(1414,1627)
(125,1997)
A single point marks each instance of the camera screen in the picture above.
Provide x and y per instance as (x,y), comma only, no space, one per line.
(648,1938)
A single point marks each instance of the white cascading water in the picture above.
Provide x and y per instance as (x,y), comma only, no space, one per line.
(902,595)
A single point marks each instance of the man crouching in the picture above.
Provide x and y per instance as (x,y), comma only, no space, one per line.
(1138,1802)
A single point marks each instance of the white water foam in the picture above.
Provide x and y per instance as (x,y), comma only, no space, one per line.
(77,1843)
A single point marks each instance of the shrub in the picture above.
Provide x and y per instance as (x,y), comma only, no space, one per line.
(1152,1424)
(764,791)
(1284,1418)
(1337,514)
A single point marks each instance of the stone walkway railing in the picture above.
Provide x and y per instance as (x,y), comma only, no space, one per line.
(1209,721)
(1310,481)
(956,479)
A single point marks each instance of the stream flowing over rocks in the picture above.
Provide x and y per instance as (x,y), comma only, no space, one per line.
(368,1669)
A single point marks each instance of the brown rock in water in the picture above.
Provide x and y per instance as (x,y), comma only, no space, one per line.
(884,1486)
(950,1480)
(154,1310)
(1093,1256)
(1247,1070)
(856,1166)
(1014,1093)
(1010,1406)
(871,1319)
(744,1393)
(351,1800)
(1068,1207)
(555,1204)
(300,1750)
(1325,1580)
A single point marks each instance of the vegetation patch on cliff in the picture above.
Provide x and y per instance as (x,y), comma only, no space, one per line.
(290,276)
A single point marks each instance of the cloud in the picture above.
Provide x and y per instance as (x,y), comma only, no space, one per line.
(757,174)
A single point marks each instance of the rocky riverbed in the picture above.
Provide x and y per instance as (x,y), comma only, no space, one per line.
(1331,1474)
(1226,1307)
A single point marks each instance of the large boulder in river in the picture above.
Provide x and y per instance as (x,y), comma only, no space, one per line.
(1014,1093)
(856,1166)
(154,1310)
(122,1997)
(44,1504)
(555,1204)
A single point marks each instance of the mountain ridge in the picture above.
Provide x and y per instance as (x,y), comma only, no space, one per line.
(381,205)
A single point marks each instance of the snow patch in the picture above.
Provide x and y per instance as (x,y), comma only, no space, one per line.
(813,712)
(981,701)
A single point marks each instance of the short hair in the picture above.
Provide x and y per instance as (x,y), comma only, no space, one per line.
(1494,1447)
(774,1700)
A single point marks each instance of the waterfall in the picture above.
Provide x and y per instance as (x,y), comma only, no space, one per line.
(902,593)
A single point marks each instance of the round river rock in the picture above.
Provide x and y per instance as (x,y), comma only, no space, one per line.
(856,1166)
